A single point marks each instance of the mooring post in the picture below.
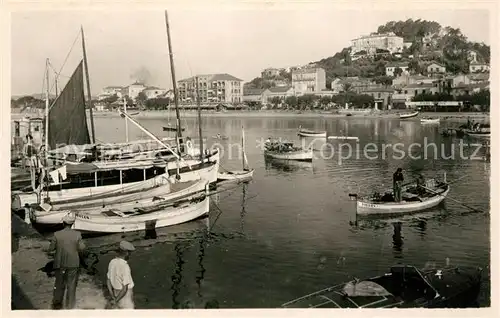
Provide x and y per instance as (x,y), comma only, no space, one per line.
(353,209)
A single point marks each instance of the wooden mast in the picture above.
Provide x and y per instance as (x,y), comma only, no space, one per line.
(88,86)
(174,85)
(46,110)
(199,119)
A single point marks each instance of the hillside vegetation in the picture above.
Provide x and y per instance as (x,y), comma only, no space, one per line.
(430,43)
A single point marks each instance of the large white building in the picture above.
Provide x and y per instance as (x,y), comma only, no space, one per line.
(370,43)
(308,80)
(212,88)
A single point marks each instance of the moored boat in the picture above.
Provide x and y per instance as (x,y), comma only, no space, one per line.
(403,286)
(408,115)
(311,133)
(171,128)
(429,120)
(414,198)
(287,151)
(143,218)
(238,175)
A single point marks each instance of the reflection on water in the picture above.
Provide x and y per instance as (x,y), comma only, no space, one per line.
(293,236)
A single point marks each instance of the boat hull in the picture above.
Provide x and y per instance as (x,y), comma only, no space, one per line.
(430,121)
(306,155)
(175,191)
(312,134)
(411,115)
(241,175)
(390,208)
(162,218)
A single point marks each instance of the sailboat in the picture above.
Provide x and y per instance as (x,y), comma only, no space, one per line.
(239,175)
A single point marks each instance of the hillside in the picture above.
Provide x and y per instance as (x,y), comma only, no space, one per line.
(430,43)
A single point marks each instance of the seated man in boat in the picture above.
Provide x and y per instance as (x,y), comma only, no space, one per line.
(397,182)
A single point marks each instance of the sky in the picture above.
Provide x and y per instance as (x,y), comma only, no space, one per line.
(125,45)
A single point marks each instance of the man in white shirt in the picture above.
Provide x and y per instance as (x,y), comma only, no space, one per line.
(120,283)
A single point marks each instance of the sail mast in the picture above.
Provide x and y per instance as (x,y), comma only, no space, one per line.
(199,119)
(174,84)
(88,86)
(47,111)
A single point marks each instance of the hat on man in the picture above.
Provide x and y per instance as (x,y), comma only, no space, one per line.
(69,218)
(126,246)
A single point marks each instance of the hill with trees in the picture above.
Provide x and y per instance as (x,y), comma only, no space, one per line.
(431,42)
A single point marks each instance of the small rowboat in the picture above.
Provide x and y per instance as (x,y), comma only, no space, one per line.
(343,137)
(478,134)
(311,133)
(429,120)
(409,115)
(298,155)
(238,175)
(171,128)
(404,286)
(143,217)
(414,198)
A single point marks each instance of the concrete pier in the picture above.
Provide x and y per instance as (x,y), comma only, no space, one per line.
(32,288)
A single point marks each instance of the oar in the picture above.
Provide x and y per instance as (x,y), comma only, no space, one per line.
(473,209)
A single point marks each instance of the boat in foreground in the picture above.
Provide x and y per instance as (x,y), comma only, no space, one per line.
(143,217)
(408,115)
(236,175)
(414,198)
(404,287)
(429,120)
(285,150)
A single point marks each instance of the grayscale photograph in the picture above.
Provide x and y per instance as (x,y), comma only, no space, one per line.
(250,157)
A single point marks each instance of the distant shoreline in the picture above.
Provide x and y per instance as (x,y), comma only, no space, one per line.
(394,114)
(289,114)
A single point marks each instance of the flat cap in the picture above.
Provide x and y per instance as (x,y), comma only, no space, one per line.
(69,218)
(126,246)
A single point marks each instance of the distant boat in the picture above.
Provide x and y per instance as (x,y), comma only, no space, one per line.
(343,138)
(414,198)
(287,151)
(429,120)
(220,137)
(171,128)
(409,115)
(311,133)
(404,286)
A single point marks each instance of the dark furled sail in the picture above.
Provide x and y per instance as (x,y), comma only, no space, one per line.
(67,117)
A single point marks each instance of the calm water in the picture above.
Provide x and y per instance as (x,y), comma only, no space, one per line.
(287,233)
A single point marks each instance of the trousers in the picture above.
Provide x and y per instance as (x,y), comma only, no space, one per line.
(127,302)
(65,288)
(397,191)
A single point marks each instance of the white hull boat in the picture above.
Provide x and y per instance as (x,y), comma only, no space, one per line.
(138,219)
(429,120)
(54,215)
(236,175)
(410,115)
(342,138)
(410,202)
(310,133)
(300,155)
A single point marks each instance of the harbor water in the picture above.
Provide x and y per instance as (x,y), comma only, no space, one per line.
(287,233)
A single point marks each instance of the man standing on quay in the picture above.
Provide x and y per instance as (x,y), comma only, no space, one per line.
(397,183)
(120,283)
(67,245)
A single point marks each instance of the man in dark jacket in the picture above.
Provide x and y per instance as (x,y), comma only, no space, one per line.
(397,183)
(66,245)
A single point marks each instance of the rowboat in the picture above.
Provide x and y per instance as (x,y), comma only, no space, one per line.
(478,134)
(414,198)
(408,115)
(143,218)
(342,138)
(171,128)
(311,133)
(48,214)
(287,151)
(404,286)
(429,120)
